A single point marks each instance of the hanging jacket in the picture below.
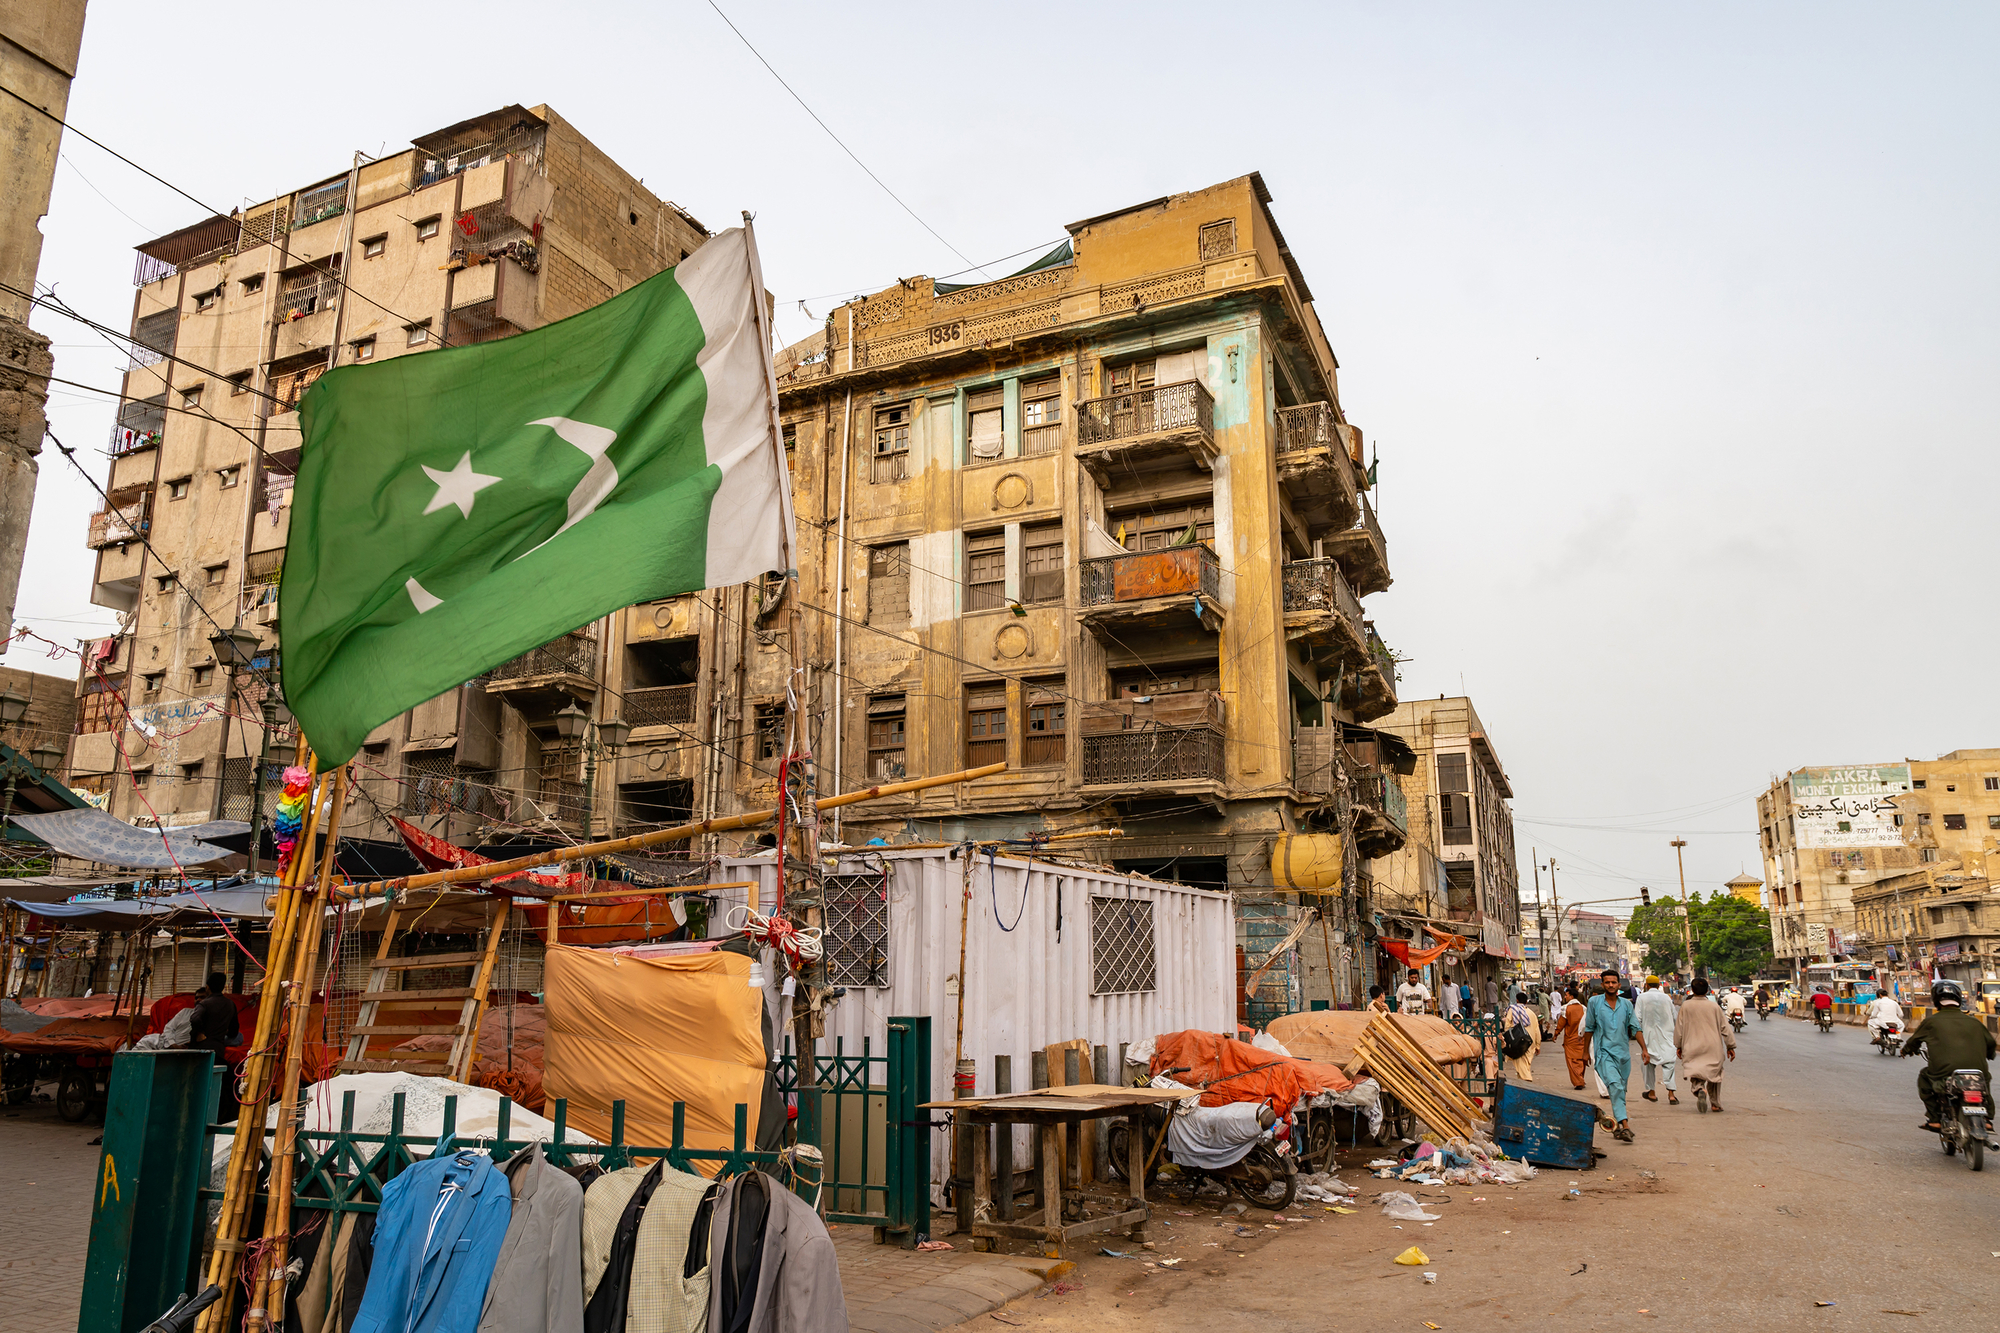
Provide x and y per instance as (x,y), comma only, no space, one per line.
(637,1222)
(437,1236)
(784,1268)
(537,1282)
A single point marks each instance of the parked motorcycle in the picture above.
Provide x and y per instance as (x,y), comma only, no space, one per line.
(1265,1175)
(1889,1041)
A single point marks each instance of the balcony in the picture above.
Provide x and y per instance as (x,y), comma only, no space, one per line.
(1323,615)
(125,518)
(1152,589)
(1172,741)
(1363,552)
(545,678)
(1381,818)
(1314,468)
(1147,425)
(660,706)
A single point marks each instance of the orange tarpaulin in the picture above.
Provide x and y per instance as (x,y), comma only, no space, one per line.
(654,1031)
(1418,957)
(1251,1074)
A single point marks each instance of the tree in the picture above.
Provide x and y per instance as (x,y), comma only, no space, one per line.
(1658,927)
(1734,937)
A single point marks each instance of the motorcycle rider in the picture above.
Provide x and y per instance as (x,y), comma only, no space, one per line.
(1822,1003)
(1763,1001)
(1882,1012)
(1954,1040)
(1732,1002)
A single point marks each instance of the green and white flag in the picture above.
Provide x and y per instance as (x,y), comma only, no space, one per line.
(459,507)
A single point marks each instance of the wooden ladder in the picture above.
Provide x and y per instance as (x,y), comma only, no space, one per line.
(373,1022)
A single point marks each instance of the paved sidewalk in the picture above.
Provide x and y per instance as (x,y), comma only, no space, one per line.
(893,1290)
(47,1168)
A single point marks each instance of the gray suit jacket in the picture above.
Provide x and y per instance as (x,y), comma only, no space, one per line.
(798,1280)
(537,1284)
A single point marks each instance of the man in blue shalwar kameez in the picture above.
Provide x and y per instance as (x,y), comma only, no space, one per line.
(1611,1019)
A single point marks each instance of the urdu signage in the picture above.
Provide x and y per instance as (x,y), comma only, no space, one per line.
(1848,807)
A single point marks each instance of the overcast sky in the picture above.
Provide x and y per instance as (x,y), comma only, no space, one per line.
(1676,329)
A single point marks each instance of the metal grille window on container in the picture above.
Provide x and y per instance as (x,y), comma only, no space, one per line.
(1122,956)
(855,930)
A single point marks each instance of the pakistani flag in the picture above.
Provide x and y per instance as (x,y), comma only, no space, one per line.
(459,507)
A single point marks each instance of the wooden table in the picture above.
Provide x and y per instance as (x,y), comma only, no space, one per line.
(1057,1115)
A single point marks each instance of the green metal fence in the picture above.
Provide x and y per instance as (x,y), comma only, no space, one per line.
(860,1112)
(1488,1031)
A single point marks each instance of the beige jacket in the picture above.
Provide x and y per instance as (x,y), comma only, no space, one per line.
(537,1284)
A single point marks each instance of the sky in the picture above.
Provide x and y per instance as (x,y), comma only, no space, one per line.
(1673,326)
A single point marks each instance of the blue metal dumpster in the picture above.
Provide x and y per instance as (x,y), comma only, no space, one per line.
(1544,1128)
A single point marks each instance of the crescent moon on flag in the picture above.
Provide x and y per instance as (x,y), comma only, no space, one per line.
(597,483)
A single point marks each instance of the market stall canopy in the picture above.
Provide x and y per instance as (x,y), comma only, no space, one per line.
(55,888)
(243,902)
(97,835)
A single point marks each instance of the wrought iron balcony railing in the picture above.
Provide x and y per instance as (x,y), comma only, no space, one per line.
(1145,574)
(1318,585)
(1383,792)
(575,654)
(1124,416)
(1308,426)
(660,706)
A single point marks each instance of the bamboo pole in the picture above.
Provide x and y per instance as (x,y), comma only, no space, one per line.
(247,1148)
(640,841)
(310,915)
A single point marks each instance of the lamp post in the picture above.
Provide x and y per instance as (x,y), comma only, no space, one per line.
(605,738)
(238,648)
(1687,929)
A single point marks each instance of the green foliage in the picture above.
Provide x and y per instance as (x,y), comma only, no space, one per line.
(1732,937)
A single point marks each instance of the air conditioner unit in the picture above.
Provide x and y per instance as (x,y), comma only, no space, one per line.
(267,614)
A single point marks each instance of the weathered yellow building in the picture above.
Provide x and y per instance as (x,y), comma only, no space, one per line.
(1104,519)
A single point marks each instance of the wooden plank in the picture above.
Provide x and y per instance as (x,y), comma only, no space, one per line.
(428,960)
(412,996)
(466,1049)
(386,1066)
(416,1030)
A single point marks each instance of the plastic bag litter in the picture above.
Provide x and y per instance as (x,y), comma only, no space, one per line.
(1264,1041)
(1140,1052)
(1484,1161)
(1323,1188)
(1405,1208)
(1413,1257)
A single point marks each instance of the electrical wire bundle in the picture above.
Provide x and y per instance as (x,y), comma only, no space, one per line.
(290,817)
(801,946)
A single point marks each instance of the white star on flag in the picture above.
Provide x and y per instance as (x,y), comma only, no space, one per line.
(458,486)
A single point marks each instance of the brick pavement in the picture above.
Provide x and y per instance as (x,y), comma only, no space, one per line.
(893,1290)
(47,1168)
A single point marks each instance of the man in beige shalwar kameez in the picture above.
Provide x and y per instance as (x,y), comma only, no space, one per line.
(1703,1040)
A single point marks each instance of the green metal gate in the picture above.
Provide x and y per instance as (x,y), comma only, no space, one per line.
(860,1112)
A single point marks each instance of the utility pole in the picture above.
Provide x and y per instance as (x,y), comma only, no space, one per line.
(1541,935)
(1555,904)
(1687,922)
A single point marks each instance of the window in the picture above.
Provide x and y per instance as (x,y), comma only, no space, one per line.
(427,227)
(163,582)
(1992,784)
(1919,783)
(227,477)
(1923,821)
(191,772)
(151,681)
(1954,821)
(206,300)
(364,349)
(985,571)
(1047,725)
(1041,416)
(892,443)
(1130,377)
(854,935)
(889,583)
(201,675)
(1452,774)
(191,396)
(1993,821)
(1042,563)
(985,725)
(1175,525)
(373,247)
(1951,786)
(177,489)
(1929,854)
(239,383)
(885,737)
(216,573)
(141,777)
(788,436)
(770,723)
(251,285)
(1898,819)
(1455,817)
(1121,946)
(416,335)
(985,423)
(1461,888)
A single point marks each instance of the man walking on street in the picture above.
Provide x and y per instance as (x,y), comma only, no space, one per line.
(1701,1039)
(1493,995)
(1448,1000)
(1609,1017)
(1519,1014)
(1656,1020)
(1413,996)
(1576,1044)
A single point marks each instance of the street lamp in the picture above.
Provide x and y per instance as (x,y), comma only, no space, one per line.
(573,724)
(13,707)
(237,648)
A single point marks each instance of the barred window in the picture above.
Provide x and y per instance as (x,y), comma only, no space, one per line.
(855,930)
(1451,773)
(1042,563)
(1121,946)
(1041,416)
(885,737)
(892,443)
(770,724)
(985,725)
(986,571)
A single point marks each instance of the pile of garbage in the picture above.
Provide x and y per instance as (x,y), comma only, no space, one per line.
(1324,1187)
(1460,1161)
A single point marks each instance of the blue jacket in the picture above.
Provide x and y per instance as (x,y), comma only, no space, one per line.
(437,1237)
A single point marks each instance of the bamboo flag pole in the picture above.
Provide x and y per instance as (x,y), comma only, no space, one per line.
(309,912)
(247,1150)
(641,841)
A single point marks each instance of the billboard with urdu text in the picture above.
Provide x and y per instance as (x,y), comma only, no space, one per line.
(1849,807)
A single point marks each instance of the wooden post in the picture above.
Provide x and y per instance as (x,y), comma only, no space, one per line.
(1038,1078)
(1100,1142)
(310,915)
(1003,1145)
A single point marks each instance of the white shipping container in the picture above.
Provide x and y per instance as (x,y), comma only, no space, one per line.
(1052,953)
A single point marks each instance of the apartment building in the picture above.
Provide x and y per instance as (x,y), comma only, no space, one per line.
(1828,834)
(498,224)
(1105,519)
(1593,940)
(1460,848)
